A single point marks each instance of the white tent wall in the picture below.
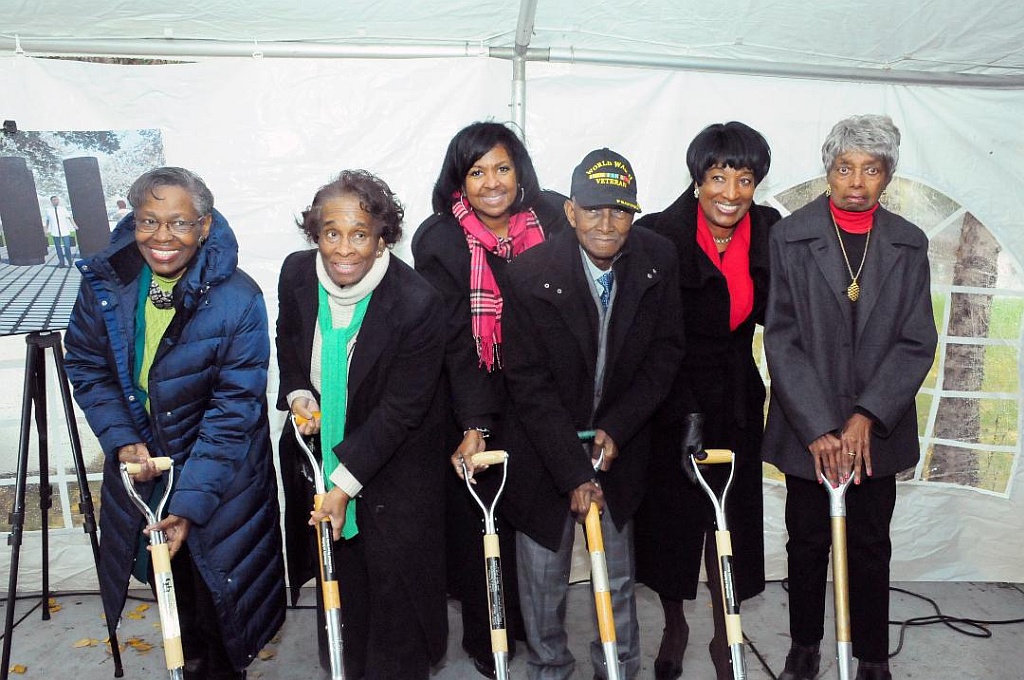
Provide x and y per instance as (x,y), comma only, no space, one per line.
(265,133)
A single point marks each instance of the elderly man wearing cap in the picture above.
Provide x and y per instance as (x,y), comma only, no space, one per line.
(592,344)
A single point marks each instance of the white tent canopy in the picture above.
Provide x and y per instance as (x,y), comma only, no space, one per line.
(272,98)
(962,42)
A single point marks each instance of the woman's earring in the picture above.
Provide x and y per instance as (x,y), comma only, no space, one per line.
(828,189)
(522,193)
(696,191)
(202,240)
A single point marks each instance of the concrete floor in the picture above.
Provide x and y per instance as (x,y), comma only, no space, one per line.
(48,649)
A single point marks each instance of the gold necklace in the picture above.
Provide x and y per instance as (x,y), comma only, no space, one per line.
(853,290)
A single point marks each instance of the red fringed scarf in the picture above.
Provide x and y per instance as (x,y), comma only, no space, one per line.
(734,264)
(524,232)
(853,222)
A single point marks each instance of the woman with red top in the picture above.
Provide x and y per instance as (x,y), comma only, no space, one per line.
(849,336)
(721,238)
(488,208)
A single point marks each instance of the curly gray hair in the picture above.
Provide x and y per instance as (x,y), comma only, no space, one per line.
(871,133)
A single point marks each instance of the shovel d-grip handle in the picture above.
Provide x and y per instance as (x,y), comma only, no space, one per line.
(493,457)
(714,456)
(299,420)
(163,464)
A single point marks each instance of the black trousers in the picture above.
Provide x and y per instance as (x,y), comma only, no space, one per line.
(383,640)
(869,509)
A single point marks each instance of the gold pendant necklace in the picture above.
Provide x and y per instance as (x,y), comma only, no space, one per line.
(853,290)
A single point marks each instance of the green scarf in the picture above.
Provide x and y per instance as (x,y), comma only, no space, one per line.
(334,391)
(150,325)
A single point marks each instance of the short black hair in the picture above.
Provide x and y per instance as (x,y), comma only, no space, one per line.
(729,145)
(468,146)
(375,197)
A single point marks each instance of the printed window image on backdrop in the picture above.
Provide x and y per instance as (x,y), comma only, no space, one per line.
(61,193)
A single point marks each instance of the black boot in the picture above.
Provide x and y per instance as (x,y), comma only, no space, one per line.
(872,670)
(802,662)
(669,663)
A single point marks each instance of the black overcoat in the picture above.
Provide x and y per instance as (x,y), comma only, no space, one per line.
(719,378)
(823,368)
(478,396)
(442,257)
(392,430)
(551,325)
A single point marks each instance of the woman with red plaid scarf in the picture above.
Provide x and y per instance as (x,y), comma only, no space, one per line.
(488,208)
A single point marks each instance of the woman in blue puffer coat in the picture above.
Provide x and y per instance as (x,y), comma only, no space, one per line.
(167,350)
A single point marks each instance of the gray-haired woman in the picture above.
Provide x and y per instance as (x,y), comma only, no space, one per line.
(167,349)
(849,337)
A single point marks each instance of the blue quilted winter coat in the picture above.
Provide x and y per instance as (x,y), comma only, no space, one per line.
(209,413)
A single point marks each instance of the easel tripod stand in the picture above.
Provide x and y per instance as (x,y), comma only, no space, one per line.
(35,400)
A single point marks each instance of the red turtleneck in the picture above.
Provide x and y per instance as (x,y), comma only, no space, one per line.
(853,222)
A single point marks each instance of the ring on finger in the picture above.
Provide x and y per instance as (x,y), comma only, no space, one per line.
(851,453)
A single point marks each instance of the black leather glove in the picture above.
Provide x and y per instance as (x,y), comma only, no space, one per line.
(692,443)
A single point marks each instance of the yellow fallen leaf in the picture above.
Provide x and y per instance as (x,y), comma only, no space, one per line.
(54,606)
(85,642)
(266,654)
(135,616)
(138,644)
(19,669)
(142,608)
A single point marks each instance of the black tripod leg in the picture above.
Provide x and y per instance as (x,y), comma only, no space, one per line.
(85,495)
(17,517)
(45,491)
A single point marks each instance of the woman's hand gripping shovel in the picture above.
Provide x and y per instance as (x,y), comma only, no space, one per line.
(599,577)
(160,554)
(325,549)
(492,559)
(694,458)
(840,575)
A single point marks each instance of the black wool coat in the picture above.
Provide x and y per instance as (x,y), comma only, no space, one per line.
(392,432)
(823,366)
(442,258)
(718,378)
(551,324)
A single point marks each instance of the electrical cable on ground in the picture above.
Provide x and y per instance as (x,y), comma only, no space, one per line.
(977,628)
(960,625)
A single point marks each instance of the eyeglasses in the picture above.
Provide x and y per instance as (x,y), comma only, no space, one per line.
(178,227)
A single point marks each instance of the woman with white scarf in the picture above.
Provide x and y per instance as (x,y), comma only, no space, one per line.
(360,343)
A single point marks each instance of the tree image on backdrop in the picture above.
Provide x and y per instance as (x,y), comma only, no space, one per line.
(123,155)
(61,192)
(969,406)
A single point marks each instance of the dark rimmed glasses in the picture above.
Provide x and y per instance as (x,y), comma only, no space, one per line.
(177,227)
